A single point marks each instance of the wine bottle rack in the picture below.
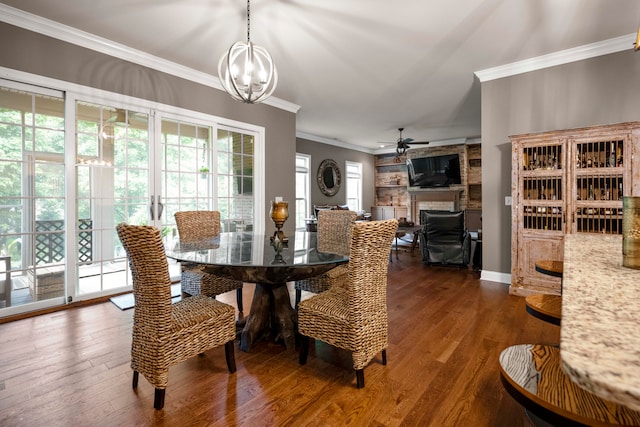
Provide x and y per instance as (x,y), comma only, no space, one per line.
(542,157)
(594,219)
(600,154)
(599,187)
(542,188)
(538,217)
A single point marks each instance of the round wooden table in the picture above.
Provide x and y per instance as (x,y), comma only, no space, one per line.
(545,307)
(533,376)
(550,267)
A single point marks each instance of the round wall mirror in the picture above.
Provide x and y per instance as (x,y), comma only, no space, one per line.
(329,177)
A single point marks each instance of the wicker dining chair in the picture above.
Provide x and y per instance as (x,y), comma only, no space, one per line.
(194,226)
(352,314)
(165,334)
(334,236)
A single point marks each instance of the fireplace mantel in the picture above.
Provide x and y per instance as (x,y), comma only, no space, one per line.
(414,190)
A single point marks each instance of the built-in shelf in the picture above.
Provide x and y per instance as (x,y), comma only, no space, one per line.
(391,181)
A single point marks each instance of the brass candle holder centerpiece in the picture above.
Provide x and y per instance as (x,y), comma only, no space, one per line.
(278,246)
(279,213)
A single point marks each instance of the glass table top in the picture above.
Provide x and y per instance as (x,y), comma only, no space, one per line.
(247,249)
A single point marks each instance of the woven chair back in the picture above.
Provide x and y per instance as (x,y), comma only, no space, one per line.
(334,231)
(197,225)
(151,281)
(368,262)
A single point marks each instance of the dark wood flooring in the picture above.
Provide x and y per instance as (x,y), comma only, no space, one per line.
(446,330)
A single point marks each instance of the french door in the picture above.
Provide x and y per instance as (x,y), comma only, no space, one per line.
(72,168)
(207,168)
(114,183)
(32,195)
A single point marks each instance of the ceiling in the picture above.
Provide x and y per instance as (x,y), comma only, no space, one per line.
(359,70)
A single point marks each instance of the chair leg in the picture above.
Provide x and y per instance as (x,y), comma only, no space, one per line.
(229,354)
(239,299)
(158,399)
(384,356)
(298,297)
(360,378)
(304,349)
(135,379)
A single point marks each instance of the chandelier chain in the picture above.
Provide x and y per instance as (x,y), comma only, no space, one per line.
(248,22)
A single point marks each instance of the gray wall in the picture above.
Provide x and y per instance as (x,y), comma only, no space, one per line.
(45,56)
(603,90)
(319,152)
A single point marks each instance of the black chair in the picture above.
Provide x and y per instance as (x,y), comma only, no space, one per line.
(444,238)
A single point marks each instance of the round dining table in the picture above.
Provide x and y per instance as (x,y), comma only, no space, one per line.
(270,264)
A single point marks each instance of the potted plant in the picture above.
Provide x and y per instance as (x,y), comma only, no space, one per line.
(204,170)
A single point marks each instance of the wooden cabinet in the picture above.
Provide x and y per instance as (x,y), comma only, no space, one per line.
(388,212)
(563,182)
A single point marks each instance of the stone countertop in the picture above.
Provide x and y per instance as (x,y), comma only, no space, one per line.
(600,332)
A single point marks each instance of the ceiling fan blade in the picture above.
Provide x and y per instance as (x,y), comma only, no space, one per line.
(405,143)
(119,116)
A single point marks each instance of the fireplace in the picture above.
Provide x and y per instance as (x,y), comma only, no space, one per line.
(437,200)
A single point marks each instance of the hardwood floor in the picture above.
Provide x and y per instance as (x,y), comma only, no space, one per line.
(446,330)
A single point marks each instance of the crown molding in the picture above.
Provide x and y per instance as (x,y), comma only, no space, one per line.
(579,53)
(47,27)
(334,142)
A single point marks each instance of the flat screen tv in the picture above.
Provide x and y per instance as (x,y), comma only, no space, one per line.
(434,171)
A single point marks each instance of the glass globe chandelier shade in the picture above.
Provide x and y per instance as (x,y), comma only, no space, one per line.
(247,72)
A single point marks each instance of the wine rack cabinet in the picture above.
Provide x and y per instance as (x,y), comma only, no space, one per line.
(569,181)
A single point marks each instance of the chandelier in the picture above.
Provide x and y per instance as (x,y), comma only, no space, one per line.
(247,71)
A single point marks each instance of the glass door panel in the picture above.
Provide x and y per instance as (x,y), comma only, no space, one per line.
(186,172)
(32,204)
(113,185)
(235,171)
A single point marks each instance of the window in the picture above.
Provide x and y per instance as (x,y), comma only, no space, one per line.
(354,185)
(235,174)
(303,195)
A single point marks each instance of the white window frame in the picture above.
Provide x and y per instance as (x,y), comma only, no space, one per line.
(307,188)
(353,176)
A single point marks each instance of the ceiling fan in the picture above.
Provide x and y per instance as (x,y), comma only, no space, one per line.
(123,116)
(403,143)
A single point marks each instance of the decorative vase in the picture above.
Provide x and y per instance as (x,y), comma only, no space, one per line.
(631,232)
(279,213)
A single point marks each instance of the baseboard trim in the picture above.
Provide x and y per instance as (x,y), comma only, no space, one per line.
(495,276)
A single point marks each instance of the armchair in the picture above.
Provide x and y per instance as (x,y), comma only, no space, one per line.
(443,238)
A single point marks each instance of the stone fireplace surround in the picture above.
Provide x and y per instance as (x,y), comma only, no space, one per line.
(441,199)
